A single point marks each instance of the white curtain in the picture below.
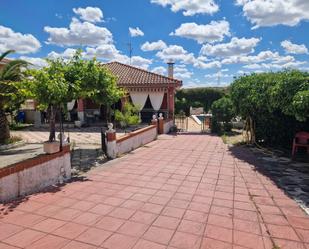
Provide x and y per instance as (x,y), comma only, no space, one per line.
(70,105)
(139,99)
(156,99)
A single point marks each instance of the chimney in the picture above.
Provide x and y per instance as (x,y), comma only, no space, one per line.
(170,69)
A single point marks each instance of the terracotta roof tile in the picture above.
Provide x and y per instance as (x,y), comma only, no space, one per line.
(133,76)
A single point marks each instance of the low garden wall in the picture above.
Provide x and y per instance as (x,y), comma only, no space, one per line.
(133,140)
(136,139)
(35,174)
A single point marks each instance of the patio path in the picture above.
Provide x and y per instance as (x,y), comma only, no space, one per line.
(183,192)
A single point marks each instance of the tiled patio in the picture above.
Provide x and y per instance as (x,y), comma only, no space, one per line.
(183,192)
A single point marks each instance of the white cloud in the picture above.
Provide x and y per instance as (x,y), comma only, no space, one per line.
(153,46)
(35,61)
(139,61)
(66,54)
(159,70)
(266,13)
(89,14)
(181,72)
(79,33)
(104,52)
(207,65)
(212,32)
(190,7)
(176,53)
(291,48)
(263,56)
(218,75)
(274,66)
(21,43)
(237,46)
(136,32)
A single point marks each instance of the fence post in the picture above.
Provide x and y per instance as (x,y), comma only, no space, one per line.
(111,146)
(161,124)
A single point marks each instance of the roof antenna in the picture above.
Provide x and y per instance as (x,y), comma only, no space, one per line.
(130,51)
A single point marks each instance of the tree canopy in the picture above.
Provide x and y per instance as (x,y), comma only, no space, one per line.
(273,104)
(11,75)
(62,81)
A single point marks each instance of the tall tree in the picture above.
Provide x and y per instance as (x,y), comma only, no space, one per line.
(11,74)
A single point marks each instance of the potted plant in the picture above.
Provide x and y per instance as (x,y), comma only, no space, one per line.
(50,89)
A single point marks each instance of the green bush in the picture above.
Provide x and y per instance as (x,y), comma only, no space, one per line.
(274,105)
(197,97)
(128,116)
(222,111)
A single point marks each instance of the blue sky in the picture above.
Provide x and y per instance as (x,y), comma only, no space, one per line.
(211,41)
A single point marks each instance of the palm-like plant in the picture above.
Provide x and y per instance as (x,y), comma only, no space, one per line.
(10,75)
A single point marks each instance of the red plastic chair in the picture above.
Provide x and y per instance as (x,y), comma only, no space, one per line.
(301,139)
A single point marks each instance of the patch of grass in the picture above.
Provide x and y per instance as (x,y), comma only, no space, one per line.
(12,140)
(233,137)
(18,126)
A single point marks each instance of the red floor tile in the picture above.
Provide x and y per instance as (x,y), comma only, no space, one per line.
(167,222)
(48,225)
(24,238)
(133,228)
(159,235)
(70,230)
(78,245)
(119,241)
(6,230)
(109,223)
(185,241)
(215,244)
(191,227)
(248,240)
(219,233)
(144,217)
(49,242)
(144,244)
(94,236)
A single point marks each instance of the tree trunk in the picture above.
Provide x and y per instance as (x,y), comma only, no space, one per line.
(52,123)
(252,131)
(247,126)
(4,127)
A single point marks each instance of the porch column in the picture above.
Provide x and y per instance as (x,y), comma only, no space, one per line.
(81,110)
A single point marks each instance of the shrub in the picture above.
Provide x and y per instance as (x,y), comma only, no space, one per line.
(223,112)
(197,97)
(128,116)
(274,105)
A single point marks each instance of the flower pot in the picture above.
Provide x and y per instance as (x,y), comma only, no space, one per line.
(51,147)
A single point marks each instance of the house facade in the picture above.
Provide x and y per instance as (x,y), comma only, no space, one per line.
(151,93)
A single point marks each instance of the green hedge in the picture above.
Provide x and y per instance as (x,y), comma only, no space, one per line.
(275,105)
(197,97)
